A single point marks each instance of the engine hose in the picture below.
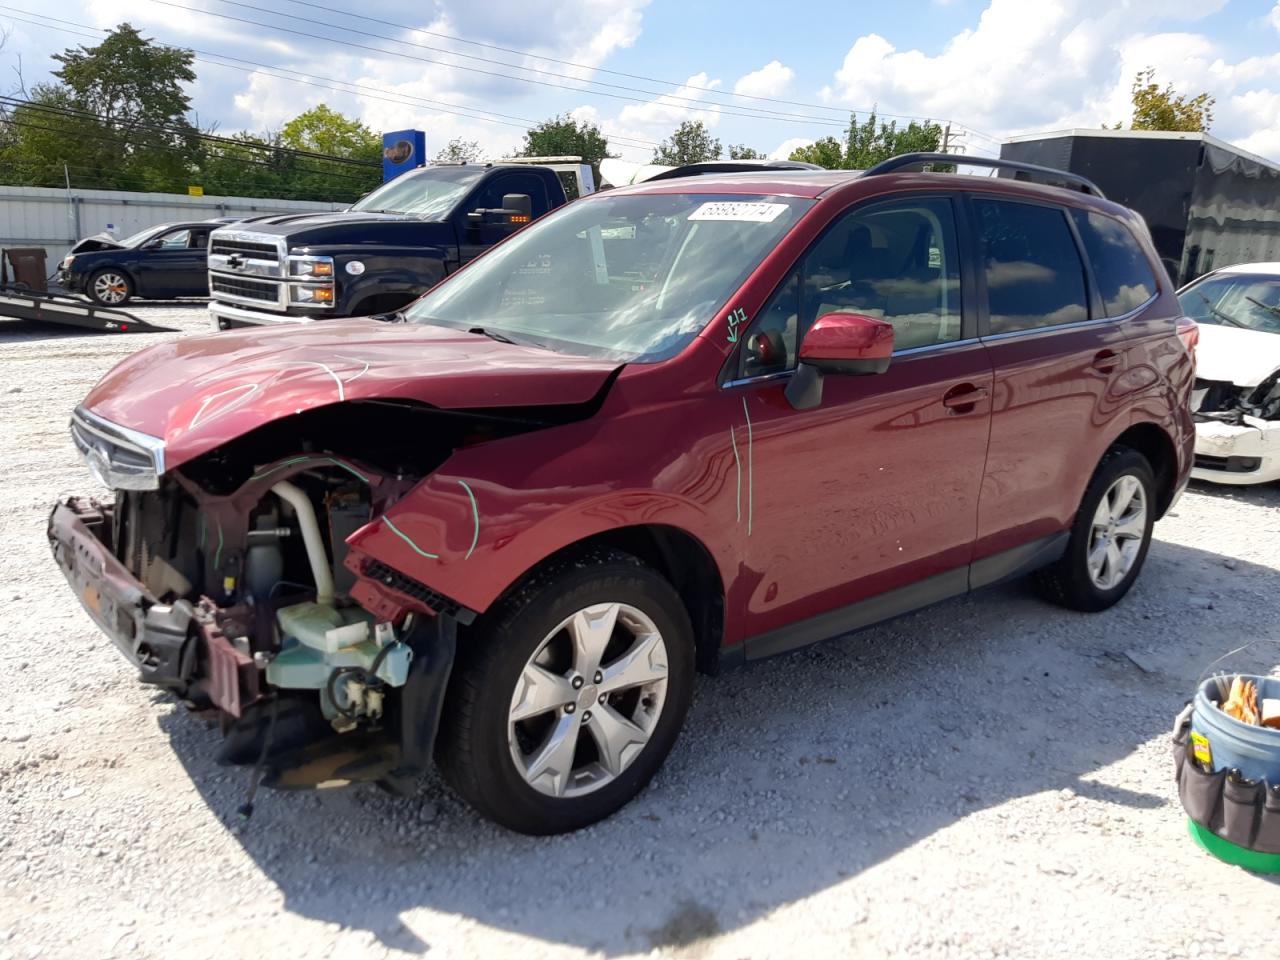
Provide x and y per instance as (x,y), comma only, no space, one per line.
(382,655)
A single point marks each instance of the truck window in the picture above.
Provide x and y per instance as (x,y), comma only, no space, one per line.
(1035,277)
(1120,268)
(489,196)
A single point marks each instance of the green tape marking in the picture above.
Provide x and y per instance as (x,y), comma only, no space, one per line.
(217,557)
(403,536)
(296,460)
(475,515)
(736,319)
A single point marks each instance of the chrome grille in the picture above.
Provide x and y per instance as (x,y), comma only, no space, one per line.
(120,458)
(257,249)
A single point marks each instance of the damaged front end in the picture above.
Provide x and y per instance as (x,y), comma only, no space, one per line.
(1237,431)
(229,582)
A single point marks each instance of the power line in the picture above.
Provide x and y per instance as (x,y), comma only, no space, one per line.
(70,113)
(294,76)
(27,124)
(711,107)
(574,84)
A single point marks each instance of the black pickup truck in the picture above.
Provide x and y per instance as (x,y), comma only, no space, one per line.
(386,249)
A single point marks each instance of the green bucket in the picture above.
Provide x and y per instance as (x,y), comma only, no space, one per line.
(1232,854)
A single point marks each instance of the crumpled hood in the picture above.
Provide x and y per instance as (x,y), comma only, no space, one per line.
(1235,355)
(200,392)
(99,241)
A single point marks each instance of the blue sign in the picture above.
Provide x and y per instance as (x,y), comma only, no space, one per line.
(402,150)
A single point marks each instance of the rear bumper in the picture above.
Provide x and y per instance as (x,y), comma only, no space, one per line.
(1237,453)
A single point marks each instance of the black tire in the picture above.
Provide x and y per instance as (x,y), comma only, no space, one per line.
(472,748)
(1068,582)
(92,292)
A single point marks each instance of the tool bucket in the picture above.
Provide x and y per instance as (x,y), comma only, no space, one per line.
(1228,775)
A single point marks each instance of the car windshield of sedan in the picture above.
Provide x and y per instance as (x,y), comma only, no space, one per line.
(430,193)
(633,278)
(139,238)
(1250,301)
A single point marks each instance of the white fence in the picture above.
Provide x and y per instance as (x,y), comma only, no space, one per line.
(55,219)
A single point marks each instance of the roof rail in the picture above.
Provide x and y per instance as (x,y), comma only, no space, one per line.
(1073,181)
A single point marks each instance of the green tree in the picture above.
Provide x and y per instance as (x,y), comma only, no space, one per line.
(827,152)
(322,130)
(868,143)
(563,136)
(1156,109)
(137,90)
(740,151)
(458,150)
(690,143)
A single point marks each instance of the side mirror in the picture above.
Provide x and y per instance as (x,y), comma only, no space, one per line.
(840,343)
(516,211)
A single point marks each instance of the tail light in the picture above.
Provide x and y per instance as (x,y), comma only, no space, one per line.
(1189,334)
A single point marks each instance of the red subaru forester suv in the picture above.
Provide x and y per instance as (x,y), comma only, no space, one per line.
(666,428)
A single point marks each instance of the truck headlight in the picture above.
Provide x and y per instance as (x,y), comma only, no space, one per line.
(305,267)
(69,259)
(319,295)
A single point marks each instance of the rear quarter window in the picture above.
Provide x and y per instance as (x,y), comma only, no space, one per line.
(1120,267)
(1034,274)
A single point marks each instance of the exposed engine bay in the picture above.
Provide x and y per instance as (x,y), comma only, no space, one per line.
(1229,403)
(231,583)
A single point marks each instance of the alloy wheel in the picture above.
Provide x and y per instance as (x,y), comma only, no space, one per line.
(1119,526)
(588,700)
(110,288)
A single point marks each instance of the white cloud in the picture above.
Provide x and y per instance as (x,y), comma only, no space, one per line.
(1275,16)
(1031,65)
(784,150)
(771,80)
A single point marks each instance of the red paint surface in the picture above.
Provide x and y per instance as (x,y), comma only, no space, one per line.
(879,486)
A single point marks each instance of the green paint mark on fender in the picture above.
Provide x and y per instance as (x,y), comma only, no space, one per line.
(736,319)
(403,536)
(475,515)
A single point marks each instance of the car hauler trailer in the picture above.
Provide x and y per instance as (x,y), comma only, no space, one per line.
(26,297)
(1208,204)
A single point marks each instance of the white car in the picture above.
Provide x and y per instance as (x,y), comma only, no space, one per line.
(1237,393)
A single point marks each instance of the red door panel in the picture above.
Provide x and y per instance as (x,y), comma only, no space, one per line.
(1059,401)
(874,489)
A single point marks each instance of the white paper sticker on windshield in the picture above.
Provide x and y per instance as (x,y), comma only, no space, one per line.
(741,211)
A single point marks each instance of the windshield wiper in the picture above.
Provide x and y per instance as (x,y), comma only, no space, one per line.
(491,334)
(1265,306)
(1223,316)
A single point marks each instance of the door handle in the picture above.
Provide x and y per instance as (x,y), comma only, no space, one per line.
(965,395)
(1106,361)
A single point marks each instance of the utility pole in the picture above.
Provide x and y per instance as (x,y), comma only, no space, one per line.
(946,137)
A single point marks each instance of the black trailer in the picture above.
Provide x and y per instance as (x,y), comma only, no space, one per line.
(1208,204)
(51,308)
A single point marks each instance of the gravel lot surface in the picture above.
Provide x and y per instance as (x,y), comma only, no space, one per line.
(990,777)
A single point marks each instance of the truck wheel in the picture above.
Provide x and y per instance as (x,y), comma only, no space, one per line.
(110,287)
(569,695)
(1110,537)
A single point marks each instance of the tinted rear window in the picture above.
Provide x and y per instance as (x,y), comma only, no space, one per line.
(1120,268)
(1035,277)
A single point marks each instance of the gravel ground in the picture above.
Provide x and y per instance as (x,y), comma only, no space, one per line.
(990,777)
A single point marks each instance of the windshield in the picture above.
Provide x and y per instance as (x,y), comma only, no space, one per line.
(137,239)
(1251,301)
(430,193)
(632,278)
